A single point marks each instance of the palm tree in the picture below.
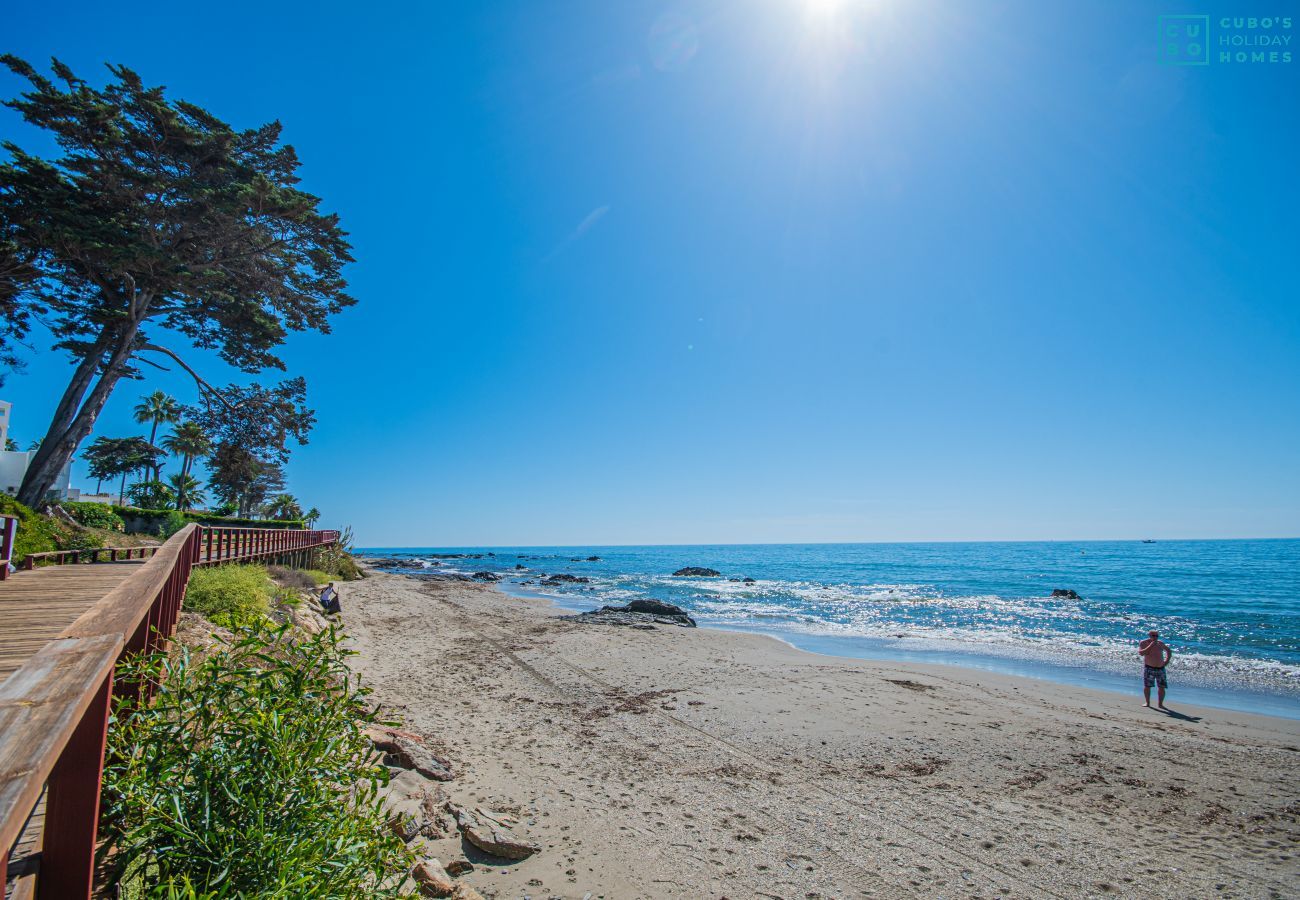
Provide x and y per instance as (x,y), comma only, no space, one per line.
(284,507)
(189,442)
(157,408)
(188,490)
(310,516)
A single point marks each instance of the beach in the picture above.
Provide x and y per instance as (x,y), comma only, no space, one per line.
(681,762)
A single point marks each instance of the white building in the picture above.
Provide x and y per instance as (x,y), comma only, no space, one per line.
(13,463)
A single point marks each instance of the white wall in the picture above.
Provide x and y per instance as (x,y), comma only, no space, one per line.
(13,466)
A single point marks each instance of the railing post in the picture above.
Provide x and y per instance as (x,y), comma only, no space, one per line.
(72,806)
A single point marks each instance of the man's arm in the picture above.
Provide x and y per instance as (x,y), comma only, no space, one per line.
(1169,654)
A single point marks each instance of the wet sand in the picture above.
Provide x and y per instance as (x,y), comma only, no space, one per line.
(701,763)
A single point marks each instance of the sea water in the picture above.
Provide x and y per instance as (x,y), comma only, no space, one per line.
(1229,609)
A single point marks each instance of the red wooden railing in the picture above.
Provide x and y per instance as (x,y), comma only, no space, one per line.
(54,709)
(8,535)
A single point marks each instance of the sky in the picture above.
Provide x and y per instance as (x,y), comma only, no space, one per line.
(759,271)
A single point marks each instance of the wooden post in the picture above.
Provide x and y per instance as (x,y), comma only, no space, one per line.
(72,806)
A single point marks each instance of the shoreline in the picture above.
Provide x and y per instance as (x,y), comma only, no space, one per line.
(738,766)
(1253,701)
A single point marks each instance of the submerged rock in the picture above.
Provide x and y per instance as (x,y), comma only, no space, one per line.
(565,577)
(1066,594)
(697,572)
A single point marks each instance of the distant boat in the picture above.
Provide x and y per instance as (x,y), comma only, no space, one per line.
(1148,541)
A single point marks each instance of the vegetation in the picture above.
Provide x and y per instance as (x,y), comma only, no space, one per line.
(94,515)
(188,441)
(151,495)
(337,561)
(233,596)
(155,409)
(249,775)
(110,457)
(36,533)
(187,489)
(156,216)
(283,507)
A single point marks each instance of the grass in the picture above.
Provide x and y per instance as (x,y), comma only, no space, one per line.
(233,596)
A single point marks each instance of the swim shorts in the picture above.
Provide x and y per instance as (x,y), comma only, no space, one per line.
(1153,675)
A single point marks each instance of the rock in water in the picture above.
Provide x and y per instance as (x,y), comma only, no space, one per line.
(1066,594)
(697,572)
(489,837)
(638,614)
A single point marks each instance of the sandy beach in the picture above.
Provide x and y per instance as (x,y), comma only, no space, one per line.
(701,763)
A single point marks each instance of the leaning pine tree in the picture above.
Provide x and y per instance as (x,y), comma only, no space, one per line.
(157,224)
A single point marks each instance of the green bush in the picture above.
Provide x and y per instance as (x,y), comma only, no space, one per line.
(136,512)
(94,515)
(230,595)
(36,533)
(249,776)
(172,522)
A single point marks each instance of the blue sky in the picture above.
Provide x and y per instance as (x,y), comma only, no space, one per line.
(754,271)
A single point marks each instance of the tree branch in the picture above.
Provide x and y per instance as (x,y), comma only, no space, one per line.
(208,389)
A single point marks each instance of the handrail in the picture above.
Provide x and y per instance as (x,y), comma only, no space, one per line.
(54,708)
(61,556)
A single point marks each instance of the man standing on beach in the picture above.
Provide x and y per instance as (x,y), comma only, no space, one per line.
(1155,655)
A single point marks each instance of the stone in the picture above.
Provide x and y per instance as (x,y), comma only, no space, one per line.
(486,576)
(697,572)
(655,608)
(465,892)
(748,580)
(414,806)
(459,867)
(593,559)
(490,837)
(1066,594)
(637,614)
(566,577)
(433,878)
(408,750)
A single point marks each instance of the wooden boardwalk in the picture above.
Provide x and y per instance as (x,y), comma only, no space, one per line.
(36,606)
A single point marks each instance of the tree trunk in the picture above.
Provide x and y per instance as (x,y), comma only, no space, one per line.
(59,445)
(121,492)
(66,411)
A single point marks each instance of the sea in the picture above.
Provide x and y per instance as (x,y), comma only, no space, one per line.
(1229,609)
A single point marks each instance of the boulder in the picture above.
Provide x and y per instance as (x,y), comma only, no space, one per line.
(655,608)
(486,576)
(489,836)
(747,580)
(697,572)
(433,878)
(465,892)
(409,751)
(459,867)
(1066,594)
(593,559)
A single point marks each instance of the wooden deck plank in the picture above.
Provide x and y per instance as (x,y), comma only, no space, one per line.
(36,606)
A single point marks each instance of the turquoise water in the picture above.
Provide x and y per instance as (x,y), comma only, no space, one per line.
(1229,609)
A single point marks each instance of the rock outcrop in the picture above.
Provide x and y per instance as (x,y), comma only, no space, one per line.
(697,572)
(643,614)
(1066,594)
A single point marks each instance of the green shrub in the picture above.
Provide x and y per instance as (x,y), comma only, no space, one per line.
(171,522)
(94,515)
(230,595)
(36,533)
(238,779)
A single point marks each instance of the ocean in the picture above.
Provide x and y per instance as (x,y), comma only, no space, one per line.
(1230,610)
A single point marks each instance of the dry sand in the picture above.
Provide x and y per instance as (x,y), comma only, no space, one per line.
(701,763)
